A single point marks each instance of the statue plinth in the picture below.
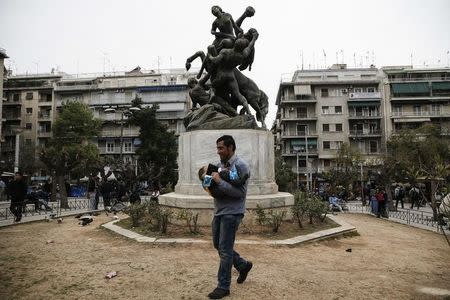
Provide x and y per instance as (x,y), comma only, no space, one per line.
(198,148)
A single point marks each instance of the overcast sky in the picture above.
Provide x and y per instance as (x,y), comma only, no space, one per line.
(79,36)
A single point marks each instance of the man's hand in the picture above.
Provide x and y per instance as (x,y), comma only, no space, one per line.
(216,177)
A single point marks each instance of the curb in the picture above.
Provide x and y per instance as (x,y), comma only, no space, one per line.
(343,229)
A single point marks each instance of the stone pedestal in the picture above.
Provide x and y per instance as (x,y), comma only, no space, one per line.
(198,148)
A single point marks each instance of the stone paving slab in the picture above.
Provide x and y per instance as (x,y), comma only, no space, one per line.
(328,233)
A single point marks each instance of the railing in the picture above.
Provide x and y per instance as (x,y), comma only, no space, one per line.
(301,152)
(355,95)
(116,150)
(298,133)
(365,132)
(407,216)
(420,113)
(117,132)
(12,102)
(32,209)
(42,115)
(299,116)
(363,115)
(76,87)
(419,79)
(11,116)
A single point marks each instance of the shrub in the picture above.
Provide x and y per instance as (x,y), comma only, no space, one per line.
(317,209)
(190,218)
(136,213)
(300,208)
(159,217)
(273,218)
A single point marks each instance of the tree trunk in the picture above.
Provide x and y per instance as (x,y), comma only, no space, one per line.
(433,205)
(53,195)
(62,191)
(390,198)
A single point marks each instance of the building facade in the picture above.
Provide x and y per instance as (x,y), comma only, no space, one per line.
(3,56)
(33,103)
(416,97)
(27,116)
(319,110)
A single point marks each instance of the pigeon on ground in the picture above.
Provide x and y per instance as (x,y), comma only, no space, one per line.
(85,220)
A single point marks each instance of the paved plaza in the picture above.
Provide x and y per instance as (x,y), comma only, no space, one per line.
(387,261)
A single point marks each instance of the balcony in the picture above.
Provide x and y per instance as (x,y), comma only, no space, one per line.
(364,115)
(364,96)
(297,134)
(11,116)
(127,132)
(293,100)
(415,114)
(44,115)
(78,87)
(8,148)
(43,133)
(11,103)
(301,152)
(300,117)
(115,150)
(364,133)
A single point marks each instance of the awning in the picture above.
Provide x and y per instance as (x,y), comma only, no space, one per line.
(302,89)
(412,120)
(363,103)
(411,88)
(311,142)
(441,86)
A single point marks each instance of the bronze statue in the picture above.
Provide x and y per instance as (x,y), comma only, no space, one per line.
(221,84)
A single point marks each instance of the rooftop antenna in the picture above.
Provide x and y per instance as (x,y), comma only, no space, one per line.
(104,61)
(354,59)
(373,57)
(37,67)
(448,61)
(314,60)
(158,65)
(411,59)
(171,62)
(303,62)
(342,55)
(324,59)
(337,57)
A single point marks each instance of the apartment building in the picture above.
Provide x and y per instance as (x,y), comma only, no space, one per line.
(417,96)
(110,95)
(32,103)
(27,114)
(319,110)
(3,56)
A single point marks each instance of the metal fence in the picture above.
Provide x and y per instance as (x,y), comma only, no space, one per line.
(30,209)
(407,216)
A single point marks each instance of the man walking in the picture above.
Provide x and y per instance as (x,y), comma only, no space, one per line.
(228,213)
(17,190)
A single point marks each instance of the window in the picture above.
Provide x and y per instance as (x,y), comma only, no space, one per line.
(371,90)
(326,145)
(302,163)
(435,109)
(344,91)
(127,147)
(325,127)
(338,127)
(302,112)
(127,160)
(326,163)
(324,92)
(29,96)
(338,109)
(397,109)
(417,110)
(28,126)
(29,110)
(28,142)
(338,144)
(325,110)
(16,97)
(302,129)
(110,147)
(373,147)
(357,90)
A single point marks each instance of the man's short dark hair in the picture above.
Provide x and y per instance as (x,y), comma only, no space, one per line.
(227,141)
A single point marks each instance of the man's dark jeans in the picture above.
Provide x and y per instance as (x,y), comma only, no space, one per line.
(224,232)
